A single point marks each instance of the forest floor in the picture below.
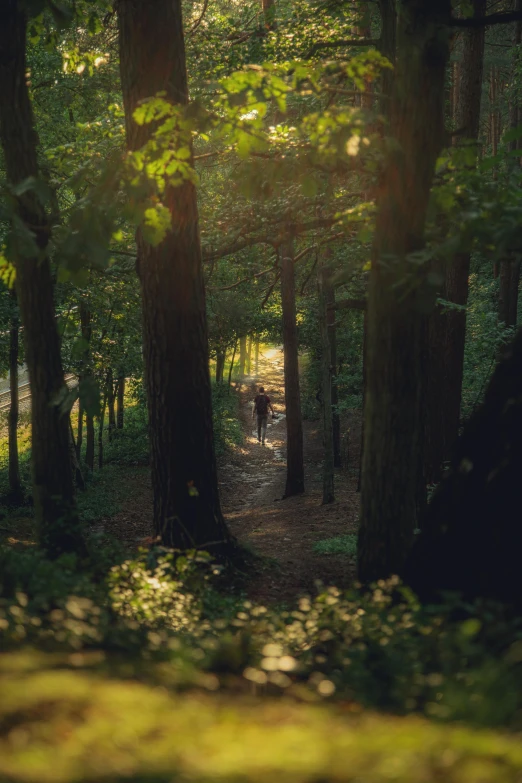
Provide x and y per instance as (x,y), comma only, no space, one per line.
(252,482)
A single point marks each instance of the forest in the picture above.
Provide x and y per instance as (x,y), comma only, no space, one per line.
(260,391)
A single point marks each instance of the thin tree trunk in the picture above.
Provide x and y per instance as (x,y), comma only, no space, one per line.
(187,511)
(392,457)
(294,425)
(75,464)
(364,386)
(120,402)
(220,366)
(79,432)
(101,427)
(232,365)
(15,483)
(249,356)
(111,404)
(332,338)
(388,47)
(89,443)
(256,359)
(55,510)
(242,356)
(86,332)
(457,272)
(269,14)
(326,388)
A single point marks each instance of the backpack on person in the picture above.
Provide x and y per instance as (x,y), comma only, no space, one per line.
(261,403)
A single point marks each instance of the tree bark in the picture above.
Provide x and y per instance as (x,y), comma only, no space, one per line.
(294,425)
(15,483)
(120,402)
(256,358)
(55,510)
(332,340)
(472,537)
(187,510)
(510,268)
(326,388)
(392,457)
(467,119)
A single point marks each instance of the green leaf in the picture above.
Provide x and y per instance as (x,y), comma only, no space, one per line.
(156,224)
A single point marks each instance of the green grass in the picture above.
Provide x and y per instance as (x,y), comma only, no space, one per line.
(340,545)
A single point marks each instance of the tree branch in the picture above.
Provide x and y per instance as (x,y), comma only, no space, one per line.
(244,280)
(199,20)
(487,21)
(269,291)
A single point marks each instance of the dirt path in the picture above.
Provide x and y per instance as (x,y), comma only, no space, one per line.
(252,485)
(252,481)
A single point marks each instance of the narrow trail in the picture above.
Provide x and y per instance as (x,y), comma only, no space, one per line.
(252,485)
(252,481)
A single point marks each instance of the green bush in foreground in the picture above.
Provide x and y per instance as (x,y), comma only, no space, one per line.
(74,720)
(379,649)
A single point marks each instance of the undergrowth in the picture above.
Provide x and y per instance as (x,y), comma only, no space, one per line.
(339,545)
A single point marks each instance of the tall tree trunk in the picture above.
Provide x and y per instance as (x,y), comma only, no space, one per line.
(392,458)
(256,359)
(15,484)
(332,340)
(510,268)
(220,366)
(242,356)
(326,388)
(294,424)
(111,404)
(120,402)
(55,510)
(187,510)
(457,272)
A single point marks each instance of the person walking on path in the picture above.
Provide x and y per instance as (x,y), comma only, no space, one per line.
(261,405)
